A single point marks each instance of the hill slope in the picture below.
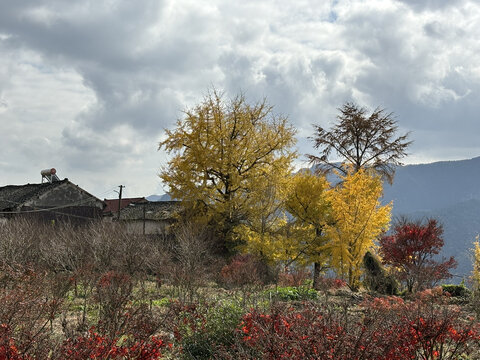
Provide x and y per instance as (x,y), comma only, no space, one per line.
(433,186)
(448,191)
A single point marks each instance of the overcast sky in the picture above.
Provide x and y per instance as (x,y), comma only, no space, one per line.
(89,86)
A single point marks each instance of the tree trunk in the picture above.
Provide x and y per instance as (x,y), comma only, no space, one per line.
(352,280)
(316,275)
(316,265)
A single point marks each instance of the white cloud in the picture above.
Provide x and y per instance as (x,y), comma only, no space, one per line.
(90,85)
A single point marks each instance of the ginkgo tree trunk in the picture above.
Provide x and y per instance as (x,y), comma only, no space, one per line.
(359,219)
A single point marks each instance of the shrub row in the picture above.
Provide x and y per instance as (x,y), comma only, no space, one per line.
(380,329)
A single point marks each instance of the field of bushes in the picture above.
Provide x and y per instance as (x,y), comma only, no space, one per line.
(99,293)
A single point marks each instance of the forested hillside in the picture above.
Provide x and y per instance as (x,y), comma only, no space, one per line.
(448,191)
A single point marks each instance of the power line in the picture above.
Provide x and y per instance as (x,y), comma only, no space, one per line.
(104,193)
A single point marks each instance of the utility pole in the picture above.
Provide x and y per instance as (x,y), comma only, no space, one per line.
(144,219)
(119,200)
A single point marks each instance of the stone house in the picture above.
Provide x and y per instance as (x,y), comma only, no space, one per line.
(58,200)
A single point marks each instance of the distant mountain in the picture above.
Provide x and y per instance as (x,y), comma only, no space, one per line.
(461,223)
(433,186)
(164,197)
(448,191)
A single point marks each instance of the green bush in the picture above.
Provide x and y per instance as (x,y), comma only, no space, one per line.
(161,302)
(456,290)
(376,277)
(207,328)
(291,293)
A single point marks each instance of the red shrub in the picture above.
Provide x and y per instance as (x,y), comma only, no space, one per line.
(387,329)
(288,334)
(242,271)
(296,277)
(27,307)
(8,350)
(113,293)
(325,283)
(95,346)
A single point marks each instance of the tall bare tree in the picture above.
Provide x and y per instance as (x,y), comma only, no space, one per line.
(362,141)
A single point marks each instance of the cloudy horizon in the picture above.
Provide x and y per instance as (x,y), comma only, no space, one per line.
(88,87)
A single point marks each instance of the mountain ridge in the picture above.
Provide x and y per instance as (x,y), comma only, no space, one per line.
(425,187)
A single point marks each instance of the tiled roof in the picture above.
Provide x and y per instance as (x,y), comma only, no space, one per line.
(12,196)
(112,204)
(154,210)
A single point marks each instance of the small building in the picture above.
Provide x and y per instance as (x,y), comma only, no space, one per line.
(54,200)
(113,206)
(145,217)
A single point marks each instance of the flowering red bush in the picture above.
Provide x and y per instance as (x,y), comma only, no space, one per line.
(289,334)
(326,283)
(426,328)
(27,308)
(8,350)
(314,333)
(113,293)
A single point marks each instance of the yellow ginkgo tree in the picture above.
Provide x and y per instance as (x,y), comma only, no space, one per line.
(310,209)
(359,218)
(223,151)
(476,265)
(262,233)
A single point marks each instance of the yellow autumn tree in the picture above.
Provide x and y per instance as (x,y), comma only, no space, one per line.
(299,239)
(307,202)
(476,265)
(359,219)
(224,150)
(262,233)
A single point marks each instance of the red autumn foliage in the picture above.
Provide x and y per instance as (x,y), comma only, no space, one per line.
(242,271)
(327,283)
(411,250)
(187,316)
(388,329)
(27,307)
(294,277)
(8,349)
(426,328)
(95,346)
(113,293)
